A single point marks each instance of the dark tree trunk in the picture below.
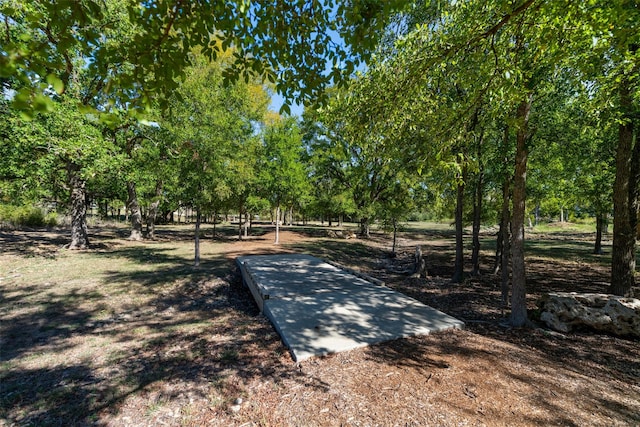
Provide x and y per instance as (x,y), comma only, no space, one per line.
(240,222)
(505,222)
(599,223)
(503,248)
(78,205)
(518,272)
(477,215)
(395,235)
(624,235)
(458,271)
(215,221)
(135,215)
(153,212)
(502,244)
(197,239)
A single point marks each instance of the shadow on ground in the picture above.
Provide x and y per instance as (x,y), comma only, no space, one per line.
(196,329)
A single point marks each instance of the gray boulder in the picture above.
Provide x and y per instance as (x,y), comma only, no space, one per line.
(566,311)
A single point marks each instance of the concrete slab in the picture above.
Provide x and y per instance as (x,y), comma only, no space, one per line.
(318,308)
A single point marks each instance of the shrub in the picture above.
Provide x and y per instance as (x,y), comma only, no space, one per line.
(27,216)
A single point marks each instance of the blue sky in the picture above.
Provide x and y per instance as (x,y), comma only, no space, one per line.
(277,101)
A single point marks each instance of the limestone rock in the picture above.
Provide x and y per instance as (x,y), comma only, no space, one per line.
(340,234)
(564,311)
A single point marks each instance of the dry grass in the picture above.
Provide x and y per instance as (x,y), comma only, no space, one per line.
(131,334)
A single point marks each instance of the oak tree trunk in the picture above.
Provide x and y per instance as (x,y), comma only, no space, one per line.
(458,270)
(365,228)
(505,236)
(395,235)
(597,250)
(623,261)
(196,262)
(277,224)
(240,222)
(477,214)
(518,273)
(498,256)
(135,215)
(153,212)
(78,205)
(215,221)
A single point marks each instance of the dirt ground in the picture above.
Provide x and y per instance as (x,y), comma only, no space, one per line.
(170,346)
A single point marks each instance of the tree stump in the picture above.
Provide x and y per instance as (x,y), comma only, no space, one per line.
(420,265)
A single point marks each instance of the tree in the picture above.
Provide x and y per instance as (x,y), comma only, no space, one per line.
(208,122)
(161,35)
(283,174)
(69,150)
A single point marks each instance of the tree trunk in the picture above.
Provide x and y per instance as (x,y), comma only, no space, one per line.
(458,271)
(246,224)
(365,228)
(624,236)
(215,221)
(277,224)
(506,242)
(78,204)
(395,234)
(518,272)
(502,245)
(196,261)
(597,250)
(420,266)
(477,215)
(153,212)
(240,222)
(135,214)
(498,256)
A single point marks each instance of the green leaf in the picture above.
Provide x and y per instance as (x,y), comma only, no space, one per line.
(56,83)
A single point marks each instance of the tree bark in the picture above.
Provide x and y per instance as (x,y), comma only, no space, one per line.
(153,212)
(498,256)
(365,228)
(395,235)
(420,266)
(597,250)
(135,215)
(518,273)
(458,270)
(277,224)
(506,242)
(477,216)
(240,222)
(78,204)
(196,261)
(623,261)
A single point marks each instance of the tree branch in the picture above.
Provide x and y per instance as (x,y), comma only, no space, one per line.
(65,55)
(169,25)
(506,18)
